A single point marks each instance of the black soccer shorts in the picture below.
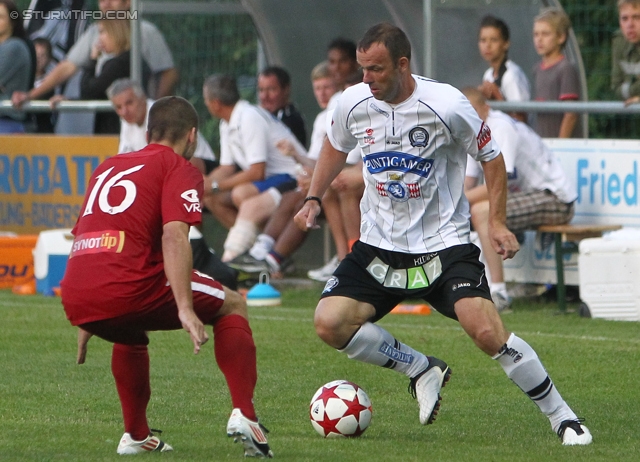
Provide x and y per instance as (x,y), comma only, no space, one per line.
(384,278)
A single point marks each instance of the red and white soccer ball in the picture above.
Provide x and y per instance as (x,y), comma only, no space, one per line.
(340,408)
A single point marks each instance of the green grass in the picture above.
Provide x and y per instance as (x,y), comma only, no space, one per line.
(54,410)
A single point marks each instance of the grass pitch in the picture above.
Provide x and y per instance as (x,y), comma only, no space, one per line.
(54,410)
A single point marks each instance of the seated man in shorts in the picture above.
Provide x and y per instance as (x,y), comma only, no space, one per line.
(250,162)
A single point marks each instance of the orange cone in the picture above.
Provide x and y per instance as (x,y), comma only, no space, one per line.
(402,308)
(28,288)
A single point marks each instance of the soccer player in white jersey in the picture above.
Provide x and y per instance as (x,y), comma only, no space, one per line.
(539,192)
(415,135)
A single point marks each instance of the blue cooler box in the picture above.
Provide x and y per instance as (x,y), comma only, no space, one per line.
(50,259)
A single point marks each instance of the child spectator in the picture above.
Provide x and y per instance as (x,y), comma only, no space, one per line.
(504,80)
(625,53)
(555,78)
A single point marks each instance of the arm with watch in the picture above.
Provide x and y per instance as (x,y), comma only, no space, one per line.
(226,177)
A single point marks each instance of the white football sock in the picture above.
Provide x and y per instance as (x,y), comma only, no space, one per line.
(263,245)
(374,345)
(523,367)
(240,238)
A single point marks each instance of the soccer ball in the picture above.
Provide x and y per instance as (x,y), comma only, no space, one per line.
(340,408)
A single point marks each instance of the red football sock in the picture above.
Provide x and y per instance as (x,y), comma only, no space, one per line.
(130,368)
(236,356)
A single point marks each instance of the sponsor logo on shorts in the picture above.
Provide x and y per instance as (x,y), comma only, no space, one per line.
(460,286)
(330,285)
(417,277)
(424,259)
(98,242)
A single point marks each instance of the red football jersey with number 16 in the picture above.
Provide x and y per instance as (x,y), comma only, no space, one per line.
(116,265)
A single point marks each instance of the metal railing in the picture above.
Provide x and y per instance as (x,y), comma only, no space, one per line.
(586,107)
(63,106)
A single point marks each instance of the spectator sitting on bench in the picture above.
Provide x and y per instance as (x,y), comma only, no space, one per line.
(280,236)
(539,192)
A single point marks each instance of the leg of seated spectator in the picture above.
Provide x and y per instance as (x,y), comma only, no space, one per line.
(253,213)
(290,203)
(532,209)
(290,240)
(289,206)
(221,207)
(242,192)
(350,208)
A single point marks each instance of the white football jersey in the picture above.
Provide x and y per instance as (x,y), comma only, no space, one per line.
(415,155)
(251,136)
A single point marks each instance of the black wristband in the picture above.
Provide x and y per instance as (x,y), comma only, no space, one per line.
(313,198)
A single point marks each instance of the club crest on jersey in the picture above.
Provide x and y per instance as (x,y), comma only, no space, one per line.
(418,137)
(484,136)
(369,138)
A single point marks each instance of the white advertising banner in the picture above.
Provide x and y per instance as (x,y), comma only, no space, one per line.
(605,175)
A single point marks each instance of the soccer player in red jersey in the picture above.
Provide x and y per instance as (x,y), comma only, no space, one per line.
(130,272)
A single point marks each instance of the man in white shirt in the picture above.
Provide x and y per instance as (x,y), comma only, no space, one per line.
(132,106)
(250,161)
(415,135)
(539,192)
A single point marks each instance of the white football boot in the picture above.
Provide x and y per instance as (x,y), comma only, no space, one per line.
(573,433)
(251,434)
(129,446)
(426,386)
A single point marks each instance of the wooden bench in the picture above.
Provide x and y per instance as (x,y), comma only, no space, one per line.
(566,239)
